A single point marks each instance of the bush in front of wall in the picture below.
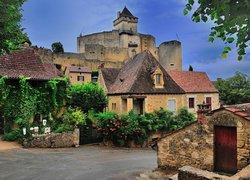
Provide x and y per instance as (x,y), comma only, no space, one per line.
(13,135)
(71,119)
(122,129)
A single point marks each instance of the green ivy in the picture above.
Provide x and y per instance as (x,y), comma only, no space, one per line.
(22,99)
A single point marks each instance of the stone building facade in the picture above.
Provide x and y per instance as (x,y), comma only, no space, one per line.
(114,48)
(143,85)
(197,145)
(78,75)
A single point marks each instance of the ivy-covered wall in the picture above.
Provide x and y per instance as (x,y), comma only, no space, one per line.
(21,100)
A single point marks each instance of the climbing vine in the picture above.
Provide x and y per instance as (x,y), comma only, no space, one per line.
(21,99)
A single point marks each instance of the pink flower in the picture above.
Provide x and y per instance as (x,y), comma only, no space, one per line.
(119,118)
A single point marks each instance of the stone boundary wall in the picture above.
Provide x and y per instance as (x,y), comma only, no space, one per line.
(57,140)
(191,145)
(188,173)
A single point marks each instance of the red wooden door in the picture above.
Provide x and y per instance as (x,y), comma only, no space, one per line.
(225,149)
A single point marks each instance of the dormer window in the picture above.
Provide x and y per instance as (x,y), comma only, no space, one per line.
(158,79)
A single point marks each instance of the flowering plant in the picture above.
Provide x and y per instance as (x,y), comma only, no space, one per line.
(120,129)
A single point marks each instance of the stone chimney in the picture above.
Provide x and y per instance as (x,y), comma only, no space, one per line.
(203,110)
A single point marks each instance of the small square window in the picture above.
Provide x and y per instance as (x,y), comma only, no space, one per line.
(80,78)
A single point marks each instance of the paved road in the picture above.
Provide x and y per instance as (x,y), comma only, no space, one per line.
(86,162)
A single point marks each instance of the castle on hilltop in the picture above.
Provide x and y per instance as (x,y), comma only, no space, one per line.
(113,48)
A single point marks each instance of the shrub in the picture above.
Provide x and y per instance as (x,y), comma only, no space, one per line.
(133,127)
(57,47)
(13,135)
(64,128)
(121,129)
(184,117)
(70,120)
(74,117)
(87,97)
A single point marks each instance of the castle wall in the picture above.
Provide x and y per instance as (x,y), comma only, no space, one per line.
(132,43)
(68,59)
(116,54)
(148,43)
(170,55)
(107,39)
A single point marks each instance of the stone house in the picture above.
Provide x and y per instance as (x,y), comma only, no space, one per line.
(220,142)
(78,75)
(26,62)
(143,85)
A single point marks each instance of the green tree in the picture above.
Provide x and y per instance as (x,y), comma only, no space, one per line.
(88,97)
(231,20)
(57,47)
(11,31)
(234,90)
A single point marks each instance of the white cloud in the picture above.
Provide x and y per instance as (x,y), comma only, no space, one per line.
(223,68)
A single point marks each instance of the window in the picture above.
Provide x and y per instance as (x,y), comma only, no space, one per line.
(158,79)
(191,103)
(209,101)
(172,105)
(172,64)
(80,78)
(113,106)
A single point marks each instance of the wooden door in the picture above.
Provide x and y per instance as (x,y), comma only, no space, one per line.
(225,149)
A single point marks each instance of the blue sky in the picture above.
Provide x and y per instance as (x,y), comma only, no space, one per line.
(48,21)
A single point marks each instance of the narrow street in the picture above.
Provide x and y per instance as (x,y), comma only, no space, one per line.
(85,162)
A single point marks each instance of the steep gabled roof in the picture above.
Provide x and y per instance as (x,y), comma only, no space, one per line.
(135,77)
(109,76)
(193,82)
(27,62)
(126,13)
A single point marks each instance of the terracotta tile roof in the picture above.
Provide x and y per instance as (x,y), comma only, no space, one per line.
(242,110)
(27,62)
(77,69)
(193,82)
(135,77)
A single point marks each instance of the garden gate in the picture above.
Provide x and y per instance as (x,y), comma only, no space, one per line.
(89,134)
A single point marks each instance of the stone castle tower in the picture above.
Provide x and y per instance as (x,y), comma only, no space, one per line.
(114,48)
(126,22)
